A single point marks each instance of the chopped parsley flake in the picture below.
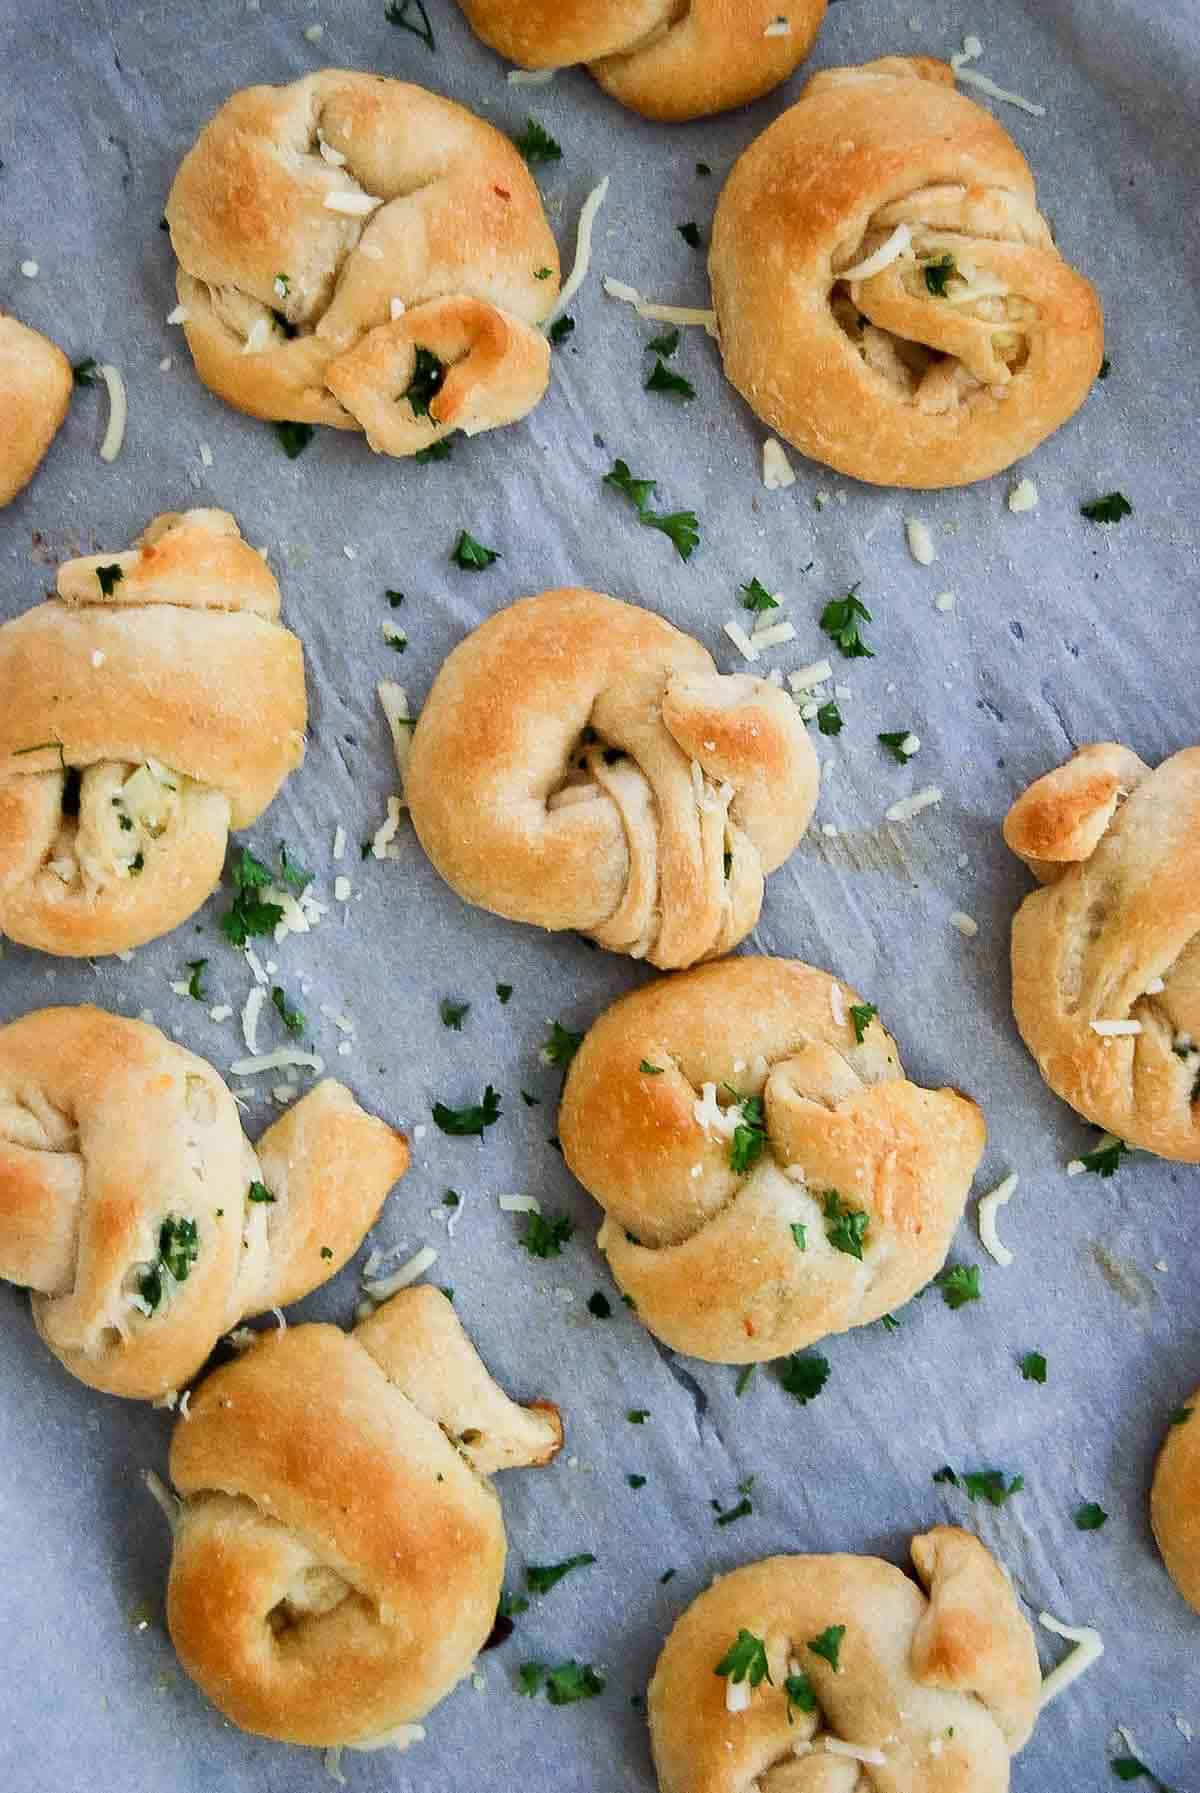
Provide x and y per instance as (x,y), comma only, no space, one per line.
(1105,1160)
(453,1013)
(452,1199)
(599,1306)
(894,740)
(938,274)
(800,1694)
(1090,1517)
(503,992)
(749,1136)
(637,1416)
(471,555)
(536,144)
(84,372)
(745,1660)
(840,619)
(959,1284)
(250,915)
(258,1192)
(293,1019)
(666,344)
(755,596)
(946,1474)
(829,719)
(564,1685)
(559,331)
(889,1322)
(1181,1416)
(829,1645)
(426,381)
(561,1047)
(540,1579)
(397,12)
(636,1481)
(1109,509)
(682,527)
(463,1122)
(530,1101)
(1105,369)
(546,1234)
(690,233)
(742,1510)
(326,1251)
(861,1015)
(291,872)
(196,982)
(803,1375)
(542,273)
(743,1379)
(799,1234)
(294,438)
(441,450)
(663,380)
(845,1228)
(109,577)
(702,168)
(990,1485)
(649,1070)
(1033,1367)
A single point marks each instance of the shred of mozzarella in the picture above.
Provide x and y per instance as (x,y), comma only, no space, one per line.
(777,474)
(912,806)
(989,1238)
(583,249)
(890,250)
(740,639)
(381,1288)
(277,1061)
(660,314)
(118,411)
(1089,1648)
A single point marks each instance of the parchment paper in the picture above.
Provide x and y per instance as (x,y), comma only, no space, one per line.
(1063,632)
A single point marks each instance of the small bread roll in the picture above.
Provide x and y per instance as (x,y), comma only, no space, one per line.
(767,1176)
(662,60)
(339,1552)
(889,297)
(581,764)
(1175,1501)
(35,391)
(134,1210)
(1106,957)
(152,706)
(933,1690)
(357,252)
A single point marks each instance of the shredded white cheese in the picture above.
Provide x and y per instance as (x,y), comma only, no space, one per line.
(259,337)
(396,309)
(339,842)
(352,205)
(1023,497)
(379,1289)
(660,314)
(989,1238)
(920,542)
(1154,987)
(945,602)
(341,889)
(530,77)
(393,700)
(806,677)
(971,51)
(118,411)
(336,159)
(738,1695)
(774,635)
(777,473)
(520,1204)
(583,249)
(314,33)
(1111,1030)
(29,269)
(158,1491)
(1089,1649)
(966,924)
(857,1752)
(387,830)
(180,315)
(889,251)
(837,1005)
(277,1061)
(221,1012)
(740,639)
(250,1014)
(912,806)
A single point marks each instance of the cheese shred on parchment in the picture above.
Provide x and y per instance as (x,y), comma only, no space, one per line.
(583,249)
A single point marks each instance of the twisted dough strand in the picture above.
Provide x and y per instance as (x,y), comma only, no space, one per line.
(339,1554)
(151,706)
(126,1198)
(330,231)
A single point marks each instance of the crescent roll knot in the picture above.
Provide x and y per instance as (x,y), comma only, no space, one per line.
(151,706)
(1106,957)
(1175,1500)
(580,764)
(912,253)
(851,1677)
(667,59)
(767,1172)
(358,252)
(36,380)
(338,1549)
(135,1211)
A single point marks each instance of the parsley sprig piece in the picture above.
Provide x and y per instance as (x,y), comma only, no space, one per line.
(546,1234)
(982,1484)
(536,144)
(665,345)
(1109,509)
(196,988)
(564,1685)
(453,1014)
(109,578)
(840,619)
(743,1508)
(800,1694)
(293,438)
(84,373)
(561,1047)
(1033,1367)
(938,274)
(894,740)
(540,1578)
(745,1660)
(258,1192)
(474,1120)
(1105,1160)
(249,915)
(178,1249)
(749,1136)
(1090,1517)
(829,1645)
(399,12)
(829,718)
(293,1019)
(861,1015)
(471,555)
(803,1375)
(755,596)
(291,873)
(1129,1768)
(427,379)
(683,527)
(663,380)
(441,450)
(959,1284)
(845,1228)
(559,331)
(690,232)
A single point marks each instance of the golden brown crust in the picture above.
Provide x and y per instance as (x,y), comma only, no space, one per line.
(35,389)
(657,58)
(943,1685)
(1175,1501)
(338,1556)
(708,1254)
(887,377)
(1118,849)
(579,763)
(108,1130)
(178,699)
(289,303)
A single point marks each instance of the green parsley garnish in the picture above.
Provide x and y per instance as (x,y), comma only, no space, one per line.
(840,619)
(745,1660)
(599,1306)
(682,527)
(561,1047)
(84,372)
(530,1101)
(743,1380)
(452,1199)
(829,719)
(703,168)
(503,992)
(426,381)
(663,380)
(946,1474)
(800,1694)
(536,144)
(666,1576)
(471,555)
(666,344)
(861,1015)
(894,741)
(959,1284)
(1109,509)
(845,1228)
(511,1605)
(178,1249)
(250,915)
(293,1019)
(690,234)
(937,275)
(755,596)
(559,331)
(326,1251)
(889,1322)
(546,1234)
(195,983)
(1105,369)
(564,1685)
(649,1070)
(1090,1517)
(637,1416)
(542,273)
(742,1510)
(294,438)
(137,864)
(990,1485)
(1033,1367)
(453,1013)
(539,1580)
(636,1481)
(440,450)
(1105,1160)
(291,873)
(749,1136)
(829,1645)
(1181,1416)
(803,1375)
(799,1234)
(397,13)
(465,1122)
(258,1192)
(109,577)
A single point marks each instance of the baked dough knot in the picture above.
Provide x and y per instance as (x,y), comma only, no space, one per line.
(153,705)
(339,1551)
(768,1176)
(886,231)
(358,252)
(580,764)
(37,382)
(1106,957)
(134,1210)
(1175,1500)
(936,1686)
(667,59)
